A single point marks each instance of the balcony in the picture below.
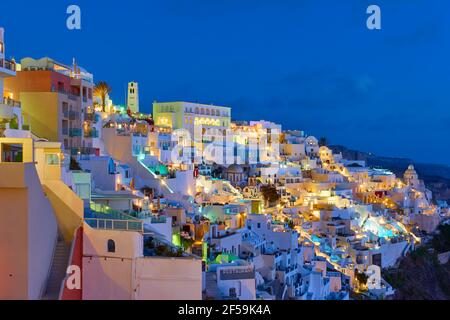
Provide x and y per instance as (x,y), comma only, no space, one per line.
(90,117)
(109,219)
(8,65)
(159,219)
(74,115)
(75,132)
(10,102)
(72,96)
(83,151)
(91,133)
(62,90)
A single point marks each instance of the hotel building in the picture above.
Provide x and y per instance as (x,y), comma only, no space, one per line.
(57,101)
(204,123)
(186,115)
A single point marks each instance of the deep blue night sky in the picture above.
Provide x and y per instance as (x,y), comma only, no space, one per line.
(307,64)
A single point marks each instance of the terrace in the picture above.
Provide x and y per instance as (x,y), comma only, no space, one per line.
(109,219)
(10,102)
(8,65)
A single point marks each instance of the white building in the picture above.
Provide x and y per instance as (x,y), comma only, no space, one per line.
(237,282)
(133,97)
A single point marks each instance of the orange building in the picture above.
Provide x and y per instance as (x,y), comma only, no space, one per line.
(57,102)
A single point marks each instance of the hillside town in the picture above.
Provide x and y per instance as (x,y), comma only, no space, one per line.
(101,200)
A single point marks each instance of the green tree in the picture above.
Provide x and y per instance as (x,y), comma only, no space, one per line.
(361,277)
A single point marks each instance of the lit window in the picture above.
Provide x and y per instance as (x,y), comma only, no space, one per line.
(52,159)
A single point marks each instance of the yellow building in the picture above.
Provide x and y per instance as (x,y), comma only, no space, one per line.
(38,212)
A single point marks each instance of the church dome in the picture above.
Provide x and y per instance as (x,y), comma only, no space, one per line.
(235,168)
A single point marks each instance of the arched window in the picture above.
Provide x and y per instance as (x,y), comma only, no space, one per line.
(111,246)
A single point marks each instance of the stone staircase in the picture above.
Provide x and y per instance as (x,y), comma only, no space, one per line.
(58,269)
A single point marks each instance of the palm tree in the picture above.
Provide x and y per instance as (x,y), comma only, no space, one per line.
(101,90)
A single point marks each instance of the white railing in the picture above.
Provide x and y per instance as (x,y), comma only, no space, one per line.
(115,224)
(10,102)
(7,64)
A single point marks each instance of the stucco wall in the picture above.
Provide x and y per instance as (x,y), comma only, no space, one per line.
(109,275)
(27,233)
(42,232)
(168,279)
(13,243)
(107,278)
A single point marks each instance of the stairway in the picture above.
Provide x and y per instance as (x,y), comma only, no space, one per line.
(58,269)
(212,291)
(68,207)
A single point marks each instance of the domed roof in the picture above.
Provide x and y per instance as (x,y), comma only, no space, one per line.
(410,167)
(235,168)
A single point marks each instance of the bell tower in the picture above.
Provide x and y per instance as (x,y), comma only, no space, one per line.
(133,97)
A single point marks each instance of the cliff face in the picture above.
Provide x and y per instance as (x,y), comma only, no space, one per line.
(420,276)
(435,176)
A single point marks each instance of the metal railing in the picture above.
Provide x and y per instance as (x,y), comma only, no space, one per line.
(91,133)
(74,115)
(72,96)
(7,64)
(75,132)
(90,116)
(113,224)
(83,151)
(10,102)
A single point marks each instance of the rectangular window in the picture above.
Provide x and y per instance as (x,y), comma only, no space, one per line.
(52,159)
(12,152)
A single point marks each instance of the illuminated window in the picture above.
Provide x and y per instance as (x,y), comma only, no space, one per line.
(52,159)
(12,152)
